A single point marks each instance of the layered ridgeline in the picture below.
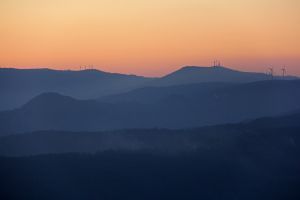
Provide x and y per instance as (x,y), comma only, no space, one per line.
(182,106)
(66,148)
(271,136)
(18,86)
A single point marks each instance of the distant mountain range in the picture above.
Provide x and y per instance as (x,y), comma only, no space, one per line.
(182,106)
(18,86)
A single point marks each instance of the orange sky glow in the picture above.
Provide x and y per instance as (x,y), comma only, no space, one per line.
(150,38)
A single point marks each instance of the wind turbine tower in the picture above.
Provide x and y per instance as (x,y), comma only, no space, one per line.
(216,63)
(283,72)
(271,71)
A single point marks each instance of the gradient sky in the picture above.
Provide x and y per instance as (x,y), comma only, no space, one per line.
(150,37)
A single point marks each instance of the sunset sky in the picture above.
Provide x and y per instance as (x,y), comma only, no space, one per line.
(150,37)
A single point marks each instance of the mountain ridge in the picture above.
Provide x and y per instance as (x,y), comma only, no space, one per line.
(194,74)
(171,107)
(18,86)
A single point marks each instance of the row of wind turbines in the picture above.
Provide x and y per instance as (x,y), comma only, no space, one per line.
(271,72)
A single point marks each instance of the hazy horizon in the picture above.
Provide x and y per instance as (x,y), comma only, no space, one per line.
(150,38)
(277,71)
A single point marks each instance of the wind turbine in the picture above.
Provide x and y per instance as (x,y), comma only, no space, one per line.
(283,72)
(217,63)
(271,70)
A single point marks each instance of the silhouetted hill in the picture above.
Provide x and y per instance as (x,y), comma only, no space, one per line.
(170,107)
(193,74)
(52,111)
(45,100)
(18,86)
